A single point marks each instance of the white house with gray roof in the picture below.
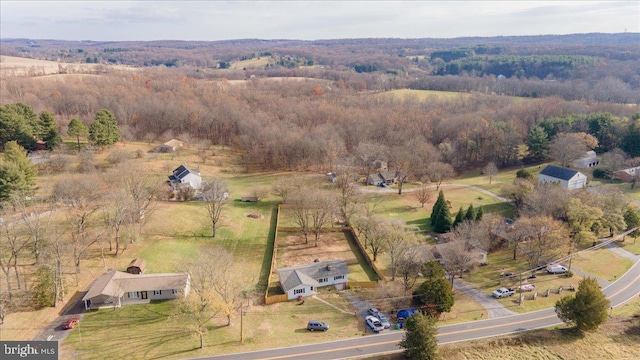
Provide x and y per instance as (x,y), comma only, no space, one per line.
(117,288)
(304,280)
(567,178)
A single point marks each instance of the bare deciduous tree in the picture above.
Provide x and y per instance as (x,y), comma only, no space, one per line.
(490,170)
(439,171)
(215,196)
(423,194)
(567,147)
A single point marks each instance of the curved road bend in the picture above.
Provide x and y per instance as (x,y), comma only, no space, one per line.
(625,289)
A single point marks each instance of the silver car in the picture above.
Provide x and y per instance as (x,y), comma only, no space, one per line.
(374,323)
(384,320)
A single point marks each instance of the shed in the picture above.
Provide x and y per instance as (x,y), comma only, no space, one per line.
(567,178)
(249,198)
(137,266)
(171,146)
(589,159)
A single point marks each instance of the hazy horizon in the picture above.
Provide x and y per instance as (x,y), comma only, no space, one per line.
(309,20)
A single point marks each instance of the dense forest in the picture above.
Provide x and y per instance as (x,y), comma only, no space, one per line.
(335,106)
(602,67)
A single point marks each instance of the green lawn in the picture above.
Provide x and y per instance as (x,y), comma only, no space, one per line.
(147,331)
(602,263)
(631,244)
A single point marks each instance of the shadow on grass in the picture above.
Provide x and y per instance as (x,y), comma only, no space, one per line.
(423,224)
(371,274)
(265,270)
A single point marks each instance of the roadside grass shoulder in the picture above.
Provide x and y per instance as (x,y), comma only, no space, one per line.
(632,245)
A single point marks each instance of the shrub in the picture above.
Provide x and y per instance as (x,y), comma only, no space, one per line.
(602,173)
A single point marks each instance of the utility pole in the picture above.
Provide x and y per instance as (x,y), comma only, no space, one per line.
(241,316)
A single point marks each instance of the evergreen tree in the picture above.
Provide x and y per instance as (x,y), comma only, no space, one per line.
(538,143)
(630,142)
(17,173)
(459,217)
(104,130)
(46,130)
(587,309)
(479,214)
(420,338)
(17,123)
(471,213)
(440,202)
(440,215)
(435,295)
(76,128)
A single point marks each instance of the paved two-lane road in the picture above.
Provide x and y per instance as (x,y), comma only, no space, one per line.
(625,289)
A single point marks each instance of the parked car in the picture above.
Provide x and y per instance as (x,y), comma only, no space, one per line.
(503,292)
(384,320)
(374,323)
(526,287)
(556,269)
(314,325)
(404,314)
(71,323)
(373,311)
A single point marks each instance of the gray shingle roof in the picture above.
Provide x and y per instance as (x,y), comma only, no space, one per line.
(558,172)
(308,274)
(116,283)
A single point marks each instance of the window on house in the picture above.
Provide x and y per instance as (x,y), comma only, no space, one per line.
(174,291)
(298,291)
(134,294)
(323,280)
(157,292)
(338,277)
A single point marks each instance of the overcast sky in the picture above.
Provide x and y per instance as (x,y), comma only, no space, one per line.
(308,20)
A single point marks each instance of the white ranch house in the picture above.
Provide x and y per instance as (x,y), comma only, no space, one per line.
(567,178)
(304,280)
(117,288)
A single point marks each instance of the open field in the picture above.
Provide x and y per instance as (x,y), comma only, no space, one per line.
(17,66)
(632,245)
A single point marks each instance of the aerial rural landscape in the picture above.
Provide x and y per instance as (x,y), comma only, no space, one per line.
(388,198)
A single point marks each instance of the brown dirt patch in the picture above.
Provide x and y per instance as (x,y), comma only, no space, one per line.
(292,249)
(254,216)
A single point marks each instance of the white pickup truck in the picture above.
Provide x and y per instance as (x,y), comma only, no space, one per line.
(503,292)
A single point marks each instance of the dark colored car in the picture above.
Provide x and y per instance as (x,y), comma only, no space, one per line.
(314,325)
(71,323)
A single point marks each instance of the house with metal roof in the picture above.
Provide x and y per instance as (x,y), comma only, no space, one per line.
(184,176)
(117,288)
(304,280)
(567,178)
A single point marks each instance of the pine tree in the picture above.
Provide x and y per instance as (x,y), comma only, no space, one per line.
(440,202)
(459,217)
(420,338)
(538,143)
(441,216)
(46,130)
(587,309)
(471,213)
(479,214)
(17,173)
(104,130)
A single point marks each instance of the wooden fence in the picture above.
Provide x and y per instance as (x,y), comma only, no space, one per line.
(365,254)
(272,299)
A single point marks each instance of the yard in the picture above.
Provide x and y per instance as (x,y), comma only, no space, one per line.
(149,331)
(487,279)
